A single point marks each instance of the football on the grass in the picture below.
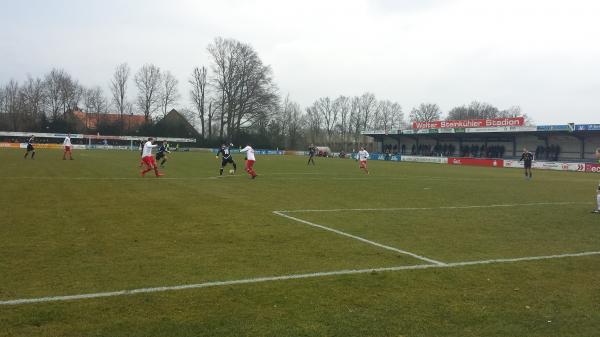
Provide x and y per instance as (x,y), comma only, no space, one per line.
(231,171)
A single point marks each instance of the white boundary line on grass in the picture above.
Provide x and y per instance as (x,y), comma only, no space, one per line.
(432,208)
(283,278)
(422,258)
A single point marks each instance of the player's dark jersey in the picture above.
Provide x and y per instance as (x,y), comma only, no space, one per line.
(224,150)
(312,150)
(527,157)
(162,150)
(30,144)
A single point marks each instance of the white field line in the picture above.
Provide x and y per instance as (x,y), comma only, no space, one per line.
(283,278)
(422,258)
(432,208)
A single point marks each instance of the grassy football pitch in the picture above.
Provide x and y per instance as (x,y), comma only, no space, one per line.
(89,248)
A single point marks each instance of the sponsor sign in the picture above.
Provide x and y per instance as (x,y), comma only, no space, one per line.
(381,132)
(594,168)
(558,166)
(554,128)
(503,129)
(470,123)
(549,165)
(587,127)
(11,145)
(419,159)
(261,152)
(43,146)
(476,162)
(514,164)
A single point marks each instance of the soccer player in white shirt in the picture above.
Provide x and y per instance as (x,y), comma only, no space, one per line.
(148,159)
(250,159)
(67,145)
(363,155)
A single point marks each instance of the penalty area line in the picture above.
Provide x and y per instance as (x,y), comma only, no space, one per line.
(373,243)
(283,278)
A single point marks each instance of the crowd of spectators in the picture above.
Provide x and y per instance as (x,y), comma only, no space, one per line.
(448,150)
(547,152)
(483,151)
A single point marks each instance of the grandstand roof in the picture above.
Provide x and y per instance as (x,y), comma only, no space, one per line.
(567,129)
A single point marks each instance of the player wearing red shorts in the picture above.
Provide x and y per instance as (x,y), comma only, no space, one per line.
(363,155)
(67,145)
(250,159)
(148,159)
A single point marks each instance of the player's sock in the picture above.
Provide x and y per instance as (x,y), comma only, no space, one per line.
(234,167)
(32,154)
(25,156)
(221,171)
(598,202)
(163,162)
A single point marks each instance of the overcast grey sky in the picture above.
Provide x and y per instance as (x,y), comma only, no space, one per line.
(542,55)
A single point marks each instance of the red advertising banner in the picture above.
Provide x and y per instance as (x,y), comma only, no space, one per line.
(470,123)
(595,168)
(476,162)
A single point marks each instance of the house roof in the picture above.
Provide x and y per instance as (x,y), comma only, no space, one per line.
(90,120)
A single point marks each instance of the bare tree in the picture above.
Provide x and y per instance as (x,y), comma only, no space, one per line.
(355,119)
(169,94)
(425,112)
(198,95)
(213,106)
(62,92)
(390,116)
(342,104)
(95,102)
(292,118)
(243,84)
(118,88)
(148,82)
(367,106)
(33,92)
(328,113)
(475,110)
(314,123)
(13,103)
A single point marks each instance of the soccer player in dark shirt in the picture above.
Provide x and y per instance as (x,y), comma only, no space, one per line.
(527,159)
(162,153)
(226,159)
(30,148)
(311,152)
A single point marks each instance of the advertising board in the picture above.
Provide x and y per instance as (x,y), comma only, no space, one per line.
(476,162)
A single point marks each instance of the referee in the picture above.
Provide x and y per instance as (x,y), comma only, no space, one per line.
(527,159)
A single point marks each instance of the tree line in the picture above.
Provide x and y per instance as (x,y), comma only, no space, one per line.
(232,98)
